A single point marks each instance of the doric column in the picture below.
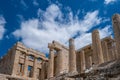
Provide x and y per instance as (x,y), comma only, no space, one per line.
(116,27)
(59,62)
(35,68)
(26,66)
(97,49)
(72,56)
(43,71)
(78,61)
(115,51)
(51,64)
(82,57)
(105,51)
(90,58)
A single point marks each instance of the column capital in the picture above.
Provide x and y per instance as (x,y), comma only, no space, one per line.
(82,50)
(35,57)
(71,39)
(51,49)
(50,45)
(115,16)
(95,31)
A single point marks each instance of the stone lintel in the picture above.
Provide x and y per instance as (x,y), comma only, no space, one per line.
(59,46)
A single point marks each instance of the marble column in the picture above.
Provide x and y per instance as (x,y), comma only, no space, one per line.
(51,64)
(26,66)
(60,62)
(83,64)
(43,71)
(35,68)
(97,49)
(72,56)
(116,27)
(105,51)
(78,62)
(90,58)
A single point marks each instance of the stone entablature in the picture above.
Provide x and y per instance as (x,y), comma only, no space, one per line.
(30,51)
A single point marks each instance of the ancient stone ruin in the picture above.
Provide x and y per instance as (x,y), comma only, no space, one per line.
(97,61)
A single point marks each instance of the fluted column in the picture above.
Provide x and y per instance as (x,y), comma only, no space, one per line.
(35,68)
(90,58)
(105,51)
(60,62)
(26,66)
(97,49)
(72,56)
(51,64)
(116,27)
(43,71)
(82,57)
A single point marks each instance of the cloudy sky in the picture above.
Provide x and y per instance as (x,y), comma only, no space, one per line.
(37,22)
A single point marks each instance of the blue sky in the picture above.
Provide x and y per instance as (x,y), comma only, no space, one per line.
(37,22)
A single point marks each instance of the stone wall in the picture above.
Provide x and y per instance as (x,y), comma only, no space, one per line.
(108,51)
(6,62)
(22,61)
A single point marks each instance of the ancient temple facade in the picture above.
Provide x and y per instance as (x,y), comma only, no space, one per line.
(23,63)
(66,63)
(70,64)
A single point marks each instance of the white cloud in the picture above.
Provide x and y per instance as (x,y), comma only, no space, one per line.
(105,31)
(23,4)
(55,25)
(35,3)
(2,29)
(109,1)
(83,40)
(86,39)
(20,18)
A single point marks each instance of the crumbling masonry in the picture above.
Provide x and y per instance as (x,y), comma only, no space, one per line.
(97,61)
